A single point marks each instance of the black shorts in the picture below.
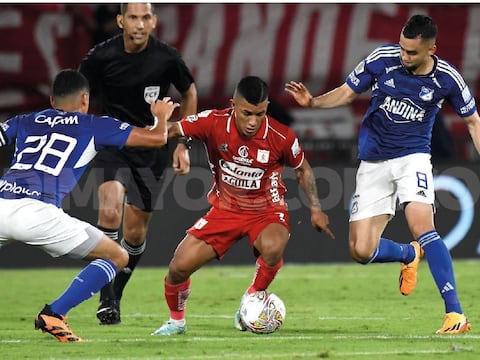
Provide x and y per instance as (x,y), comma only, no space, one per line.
(140,170)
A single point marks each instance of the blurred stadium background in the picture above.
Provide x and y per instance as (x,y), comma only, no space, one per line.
(317,44)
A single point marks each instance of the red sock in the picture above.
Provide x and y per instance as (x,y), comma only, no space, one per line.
(176,296)
(264,275)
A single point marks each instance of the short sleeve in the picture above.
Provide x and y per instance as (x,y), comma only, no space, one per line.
(361,78)
(110,132)
(294,153)
(8,131)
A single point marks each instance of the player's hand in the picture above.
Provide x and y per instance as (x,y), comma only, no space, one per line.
(181,160)
(163,109)
(320,221)
(299,92)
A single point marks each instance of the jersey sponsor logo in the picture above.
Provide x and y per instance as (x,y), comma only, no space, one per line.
(243,151)
(239,176)
(6,186)
(223,147)
(274,186)
(402,111)
(354,79)
(243,158)
(57,120)
(263,156)
(465,109)
(151,93)
(191,118)
(426,94)
(241,183)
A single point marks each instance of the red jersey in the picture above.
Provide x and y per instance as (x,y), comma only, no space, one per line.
(246,171)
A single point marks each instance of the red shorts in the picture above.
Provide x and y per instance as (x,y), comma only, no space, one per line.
(222,229)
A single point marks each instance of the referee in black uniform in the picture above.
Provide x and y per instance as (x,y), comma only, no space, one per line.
(124,73)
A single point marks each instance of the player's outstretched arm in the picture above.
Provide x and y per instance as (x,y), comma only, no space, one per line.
(308,184)
(299,92)
(342,95)
(473,124)
(155,136)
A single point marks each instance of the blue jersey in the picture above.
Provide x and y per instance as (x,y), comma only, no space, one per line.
(403,106)
(53,149)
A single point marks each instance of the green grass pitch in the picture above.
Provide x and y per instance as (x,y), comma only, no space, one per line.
(335,311)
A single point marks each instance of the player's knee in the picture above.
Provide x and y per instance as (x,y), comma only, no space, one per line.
(272,257)
(135,235)
(178,274)
(110,218)
(360,254)
(117,255)
(120,258)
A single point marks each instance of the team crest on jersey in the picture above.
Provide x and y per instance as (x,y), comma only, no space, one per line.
(426,94)
(151,93)
(263,156)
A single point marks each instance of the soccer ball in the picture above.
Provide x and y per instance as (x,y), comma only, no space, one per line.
(262,312)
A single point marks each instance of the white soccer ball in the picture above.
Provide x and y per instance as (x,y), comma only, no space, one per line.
(262,312)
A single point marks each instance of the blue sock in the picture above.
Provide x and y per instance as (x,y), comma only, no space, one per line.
(441,268)
(391,251)
(89,281)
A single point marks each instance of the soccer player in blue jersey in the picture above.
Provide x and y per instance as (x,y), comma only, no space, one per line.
(53,148)
(409,84)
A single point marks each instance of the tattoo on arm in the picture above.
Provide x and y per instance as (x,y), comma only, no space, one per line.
(309,186)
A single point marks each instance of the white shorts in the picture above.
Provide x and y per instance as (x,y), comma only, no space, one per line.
(380,184)
(36,223)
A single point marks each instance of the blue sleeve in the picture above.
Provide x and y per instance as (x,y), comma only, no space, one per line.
(110,132)
(8,131)
(361,78)
(462,101)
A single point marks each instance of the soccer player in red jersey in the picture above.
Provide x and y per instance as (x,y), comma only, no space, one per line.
(247,152)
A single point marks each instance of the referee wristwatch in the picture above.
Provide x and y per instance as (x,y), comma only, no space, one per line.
(187,141)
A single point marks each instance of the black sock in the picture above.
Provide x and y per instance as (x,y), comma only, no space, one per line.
(135,253)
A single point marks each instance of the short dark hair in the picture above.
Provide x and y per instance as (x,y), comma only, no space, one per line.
(420,26)
(124,8)
(253,89)
(69,82)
